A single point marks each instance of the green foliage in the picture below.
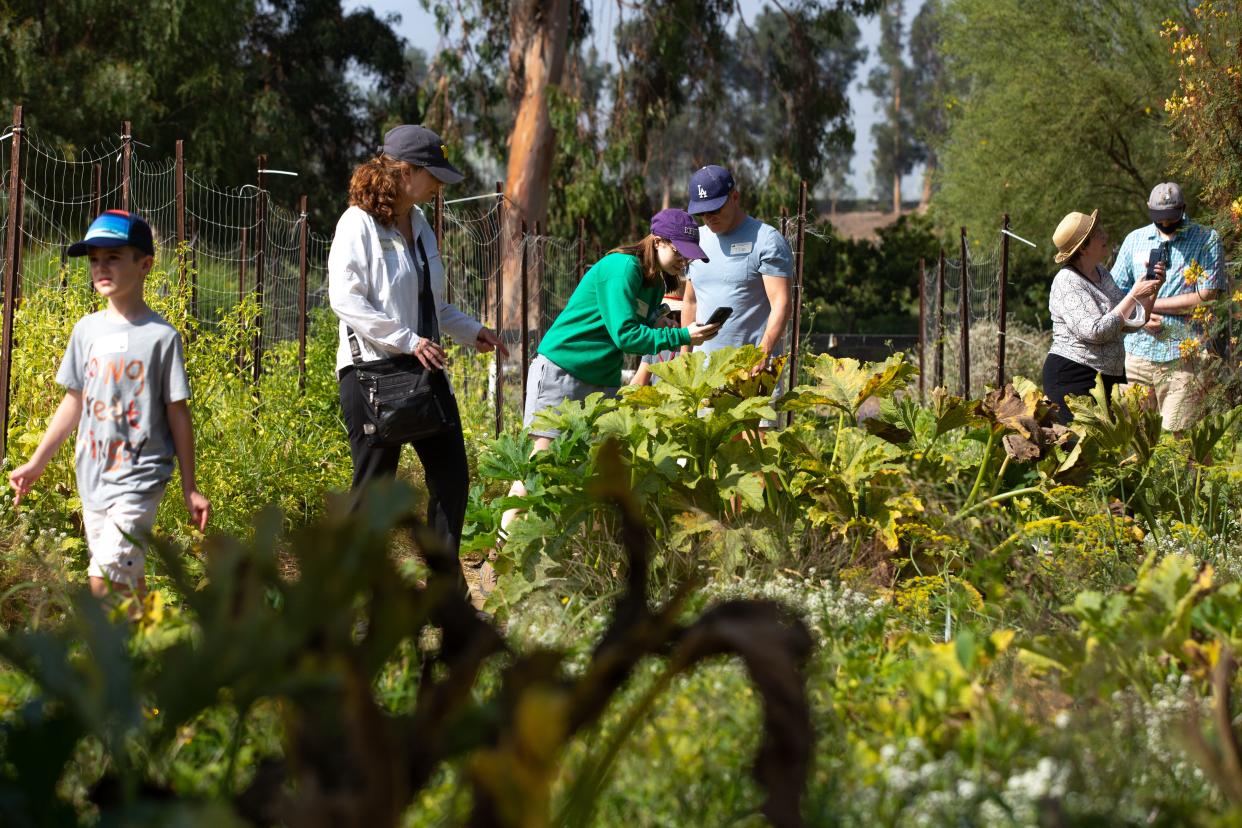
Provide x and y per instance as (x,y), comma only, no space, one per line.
(234,78)
(318,643)
(1203,107)
(1052,107)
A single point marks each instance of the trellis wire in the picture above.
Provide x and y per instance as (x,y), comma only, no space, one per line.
(941,321)
(63,193)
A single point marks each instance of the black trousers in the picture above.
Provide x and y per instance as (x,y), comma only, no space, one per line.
(444,466)
(1065,376)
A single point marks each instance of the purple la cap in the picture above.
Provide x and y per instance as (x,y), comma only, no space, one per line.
(709,189)
(678,227)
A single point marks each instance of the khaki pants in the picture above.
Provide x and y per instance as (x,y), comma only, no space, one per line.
(1178,389)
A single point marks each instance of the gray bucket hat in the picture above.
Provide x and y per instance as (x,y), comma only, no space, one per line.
(421,147)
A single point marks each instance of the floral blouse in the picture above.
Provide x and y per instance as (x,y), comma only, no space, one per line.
(1083,329)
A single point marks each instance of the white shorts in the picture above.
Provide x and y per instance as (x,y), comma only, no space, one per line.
(116,537)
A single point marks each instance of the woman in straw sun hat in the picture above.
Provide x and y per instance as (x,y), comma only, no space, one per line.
(1089,313)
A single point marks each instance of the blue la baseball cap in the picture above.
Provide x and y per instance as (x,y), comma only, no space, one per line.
(116,228)
(709,189)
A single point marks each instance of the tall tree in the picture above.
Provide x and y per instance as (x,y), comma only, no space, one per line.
(928,90)
(1081,127)
(769,100)
(539,36)
(234,78)
(793,68)
(897,149)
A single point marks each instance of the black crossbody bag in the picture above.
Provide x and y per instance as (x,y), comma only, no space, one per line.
(403,400)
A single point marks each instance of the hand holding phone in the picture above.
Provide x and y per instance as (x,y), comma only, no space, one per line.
(719,316)
(1154,257)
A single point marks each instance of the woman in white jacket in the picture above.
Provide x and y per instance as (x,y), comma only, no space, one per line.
(383,264)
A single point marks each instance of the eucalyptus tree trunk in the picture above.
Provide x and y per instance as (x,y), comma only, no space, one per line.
(539,34)
(897,153)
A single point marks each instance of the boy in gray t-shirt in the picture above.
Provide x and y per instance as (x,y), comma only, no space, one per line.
(125,393)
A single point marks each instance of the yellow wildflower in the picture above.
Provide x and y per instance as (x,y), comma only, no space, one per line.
(1235,208)
(1203,314)
(1189,348)
(1193,273)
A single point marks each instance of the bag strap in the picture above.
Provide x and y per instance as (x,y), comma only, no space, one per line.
(428,319)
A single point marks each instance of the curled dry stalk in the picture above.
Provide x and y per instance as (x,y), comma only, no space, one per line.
(772,644)
(1222,762)
(316,645)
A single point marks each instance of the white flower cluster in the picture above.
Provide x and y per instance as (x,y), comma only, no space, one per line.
(1220,549)
(543,624)
(1172,704)
(826,606)
(948,790)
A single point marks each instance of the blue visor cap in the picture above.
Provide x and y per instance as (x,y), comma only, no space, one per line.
(709,189)
(116,228)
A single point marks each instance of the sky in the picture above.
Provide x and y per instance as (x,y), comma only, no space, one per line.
(419,28)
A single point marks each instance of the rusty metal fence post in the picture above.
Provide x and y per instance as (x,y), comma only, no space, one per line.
(963,304)
(525,298)
(127,151)
(260,245)
(498,277)
(940,320)
(12,272)
(1001,308)
(303,249)
(922,330)
(799,265)
(179,202)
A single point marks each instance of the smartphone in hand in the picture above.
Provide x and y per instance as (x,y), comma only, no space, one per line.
(719,316)
(1155,257)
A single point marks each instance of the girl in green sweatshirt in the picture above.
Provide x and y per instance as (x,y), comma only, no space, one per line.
(615,310)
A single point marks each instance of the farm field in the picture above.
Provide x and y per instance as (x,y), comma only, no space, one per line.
(1006,622)
(908,605)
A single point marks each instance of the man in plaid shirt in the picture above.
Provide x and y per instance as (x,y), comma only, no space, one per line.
(1162,354)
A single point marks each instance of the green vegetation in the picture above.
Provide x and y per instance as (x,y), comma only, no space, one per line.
(927,612)
(998,607)
(1007,619)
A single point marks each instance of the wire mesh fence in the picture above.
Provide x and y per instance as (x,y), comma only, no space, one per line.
(239,245)
(961,319)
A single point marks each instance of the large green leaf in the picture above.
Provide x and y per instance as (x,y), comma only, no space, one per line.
(846,384)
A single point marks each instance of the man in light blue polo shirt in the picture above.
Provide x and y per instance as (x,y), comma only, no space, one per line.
(1153,354)
(748,268)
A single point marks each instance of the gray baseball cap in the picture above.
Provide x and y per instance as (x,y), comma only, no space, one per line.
(421,147)
(1166,202)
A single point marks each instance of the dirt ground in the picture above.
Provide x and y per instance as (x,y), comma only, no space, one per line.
(863,224)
